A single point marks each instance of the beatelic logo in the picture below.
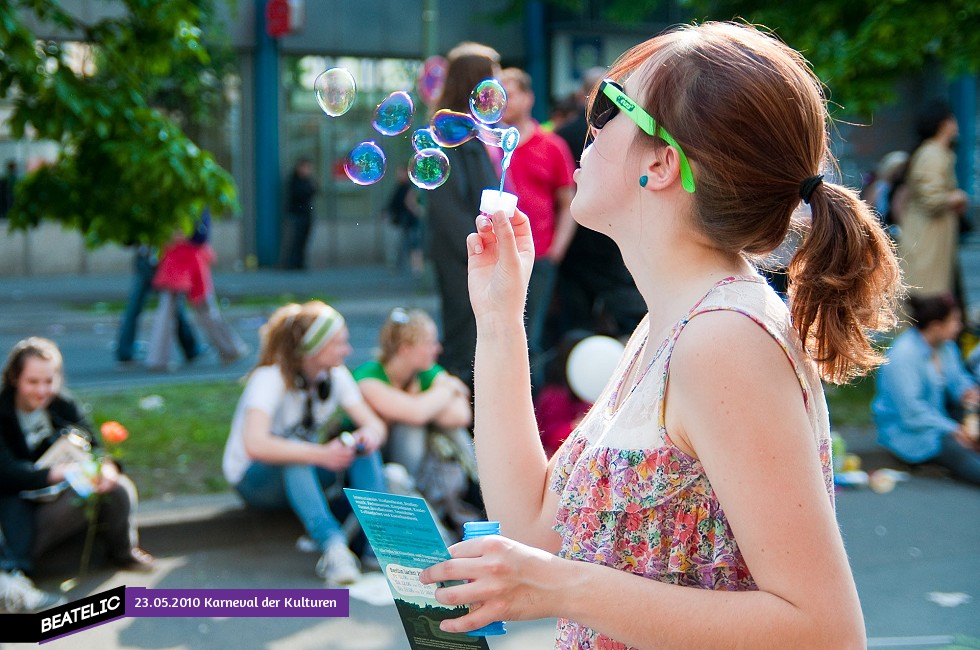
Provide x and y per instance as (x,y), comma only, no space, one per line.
(81,614)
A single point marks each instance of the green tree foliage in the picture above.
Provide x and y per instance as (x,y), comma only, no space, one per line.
(859,48)
(126,171)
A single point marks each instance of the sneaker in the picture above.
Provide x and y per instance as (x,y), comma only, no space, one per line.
(18,595)
(338,565)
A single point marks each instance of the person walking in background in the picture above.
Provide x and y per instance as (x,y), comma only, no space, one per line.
(35,412)
(275,456)
(145,262)
(449,204)
(595,290)
(924,373)
(707,138)
(405,212)
(427,411)
(930,227)
(185,271)
(7,188)
(299,213)
(890,170)
(541,175)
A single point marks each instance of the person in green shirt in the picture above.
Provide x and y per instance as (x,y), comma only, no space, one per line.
(427,409)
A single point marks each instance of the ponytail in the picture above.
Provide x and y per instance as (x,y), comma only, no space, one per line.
(844,284)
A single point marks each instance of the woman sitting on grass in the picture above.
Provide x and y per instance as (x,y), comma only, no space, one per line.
(427,409)
(276,456)
(37,511)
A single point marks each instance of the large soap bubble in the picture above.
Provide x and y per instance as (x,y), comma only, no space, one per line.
(335,91)
(451,129)
(488,101)
(394,114)
(365,164)
(429,168)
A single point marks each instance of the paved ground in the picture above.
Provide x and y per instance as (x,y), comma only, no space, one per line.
(915,551)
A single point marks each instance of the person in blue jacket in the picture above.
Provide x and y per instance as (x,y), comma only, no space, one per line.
(924,387)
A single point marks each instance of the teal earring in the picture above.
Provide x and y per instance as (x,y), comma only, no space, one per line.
(643,181)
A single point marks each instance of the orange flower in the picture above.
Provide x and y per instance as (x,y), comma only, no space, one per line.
(113,432)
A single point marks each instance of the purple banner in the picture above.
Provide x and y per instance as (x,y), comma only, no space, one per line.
(237,603)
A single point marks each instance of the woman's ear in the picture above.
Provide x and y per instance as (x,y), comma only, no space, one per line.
(663,167)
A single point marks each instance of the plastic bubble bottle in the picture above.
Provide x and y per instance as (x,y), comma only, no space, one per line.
(472,530)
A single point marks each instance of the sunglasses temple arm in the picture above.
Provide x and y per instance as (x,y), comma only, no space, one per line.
(687,176)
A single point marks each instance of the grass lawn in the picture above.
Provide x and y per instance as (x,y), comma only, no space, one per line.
(850,404)
(175,446)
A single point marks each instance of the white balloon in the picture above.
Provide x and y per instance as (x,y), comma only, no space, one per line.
(591,364)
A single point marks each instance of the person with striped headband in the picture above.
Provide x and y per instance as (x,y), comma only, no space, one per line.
(276,455)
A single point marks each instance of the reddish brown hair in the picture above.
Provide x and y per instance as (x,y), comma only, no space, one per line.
(281,338)
(751,117)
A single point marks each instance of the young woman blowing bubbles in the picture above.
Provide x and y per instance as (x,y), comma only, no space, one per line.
(693,506)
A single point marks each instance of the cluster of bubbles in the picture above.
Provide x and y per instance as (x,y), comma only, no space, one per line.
(429,167)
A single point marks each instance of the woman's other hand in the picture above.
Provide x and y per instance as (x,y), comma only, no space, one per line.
(506,581)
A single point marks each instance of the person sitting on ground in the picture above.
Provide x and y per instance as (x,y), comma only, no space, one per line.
(34,413)
(427,409)
(923,375)
(276,457)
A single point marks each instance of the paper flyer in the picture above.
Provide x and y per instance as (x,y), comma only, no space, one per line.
(404,536)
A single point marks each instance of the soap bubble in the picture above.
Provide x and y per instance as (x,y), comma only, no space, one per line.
(429,168)
(507,139)
(365,164)
(488,101)
(335,90)
(451,129)
(423,139)
(394,114)
(432,77)
(488,135)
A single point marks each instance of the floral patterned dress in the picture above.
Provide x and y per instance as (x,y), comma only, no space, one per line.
(630,499)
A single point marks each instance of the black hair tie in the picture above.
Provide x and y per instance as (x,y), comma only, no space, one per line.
(808,186)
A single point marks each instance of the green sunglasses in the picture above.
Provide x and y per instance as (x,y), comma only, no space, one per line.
(611,99)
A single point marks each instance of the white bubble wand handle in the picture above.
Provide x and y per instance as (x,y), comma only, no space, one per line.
(492,201)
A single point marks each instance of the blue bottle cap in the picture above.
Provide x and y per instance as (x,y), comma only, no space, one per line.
(480,528)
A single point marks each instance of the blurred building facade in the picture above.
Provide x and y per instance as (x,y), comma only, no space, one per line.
(271,117)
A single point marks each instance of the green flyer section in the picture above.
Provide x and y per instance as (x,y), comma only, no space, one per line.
(406,540)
